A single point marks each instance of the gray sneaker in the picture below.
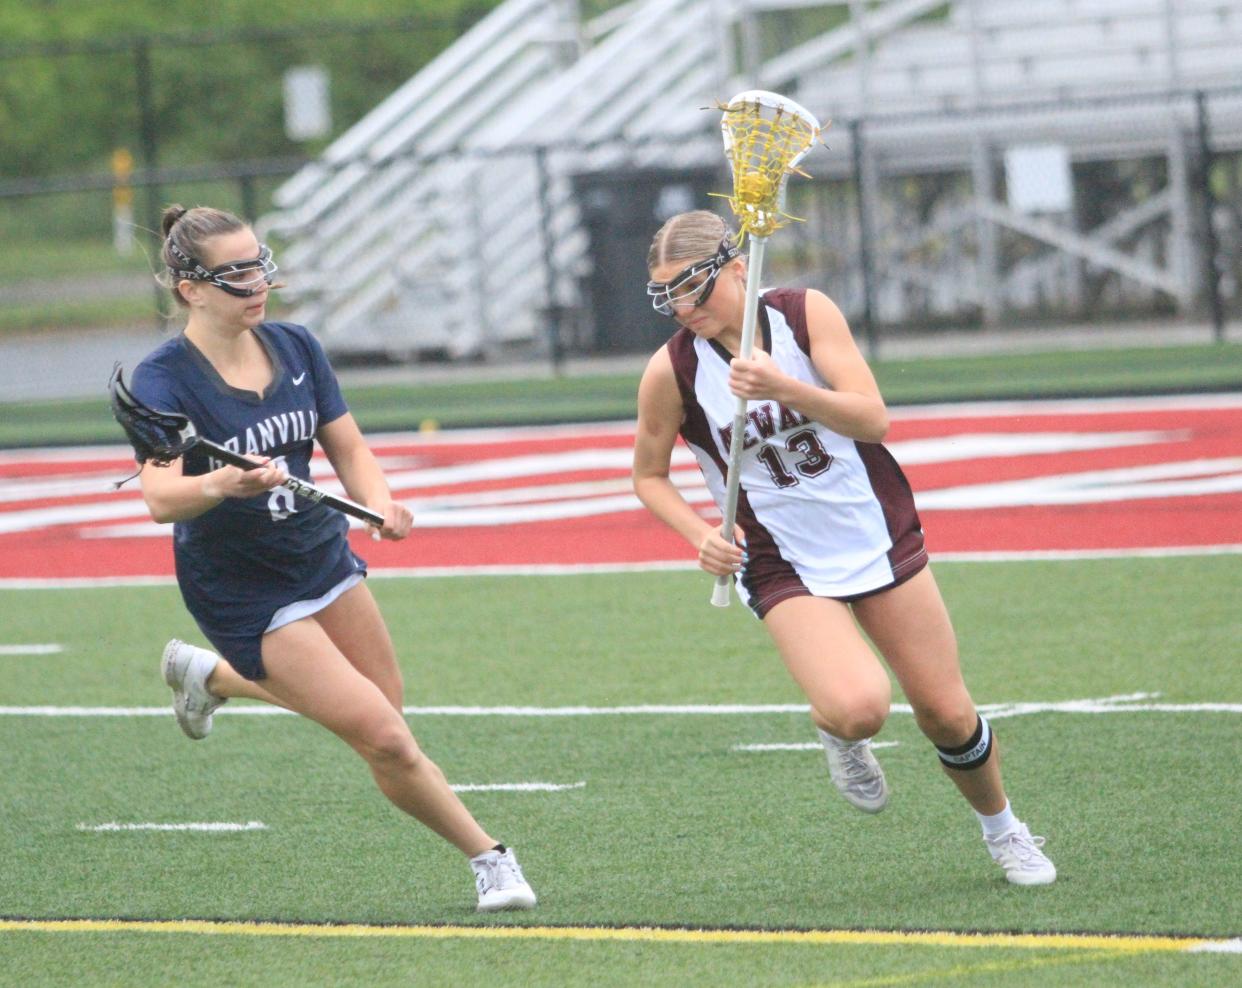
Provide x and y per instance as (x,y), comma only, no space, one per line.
(186,670)
(855,772)
(498,878)
(1021,856)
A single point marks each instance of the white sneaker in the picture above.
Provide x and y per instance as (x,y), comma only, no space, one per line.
(1019,854)
(186,669)
(499,880)
(855,772)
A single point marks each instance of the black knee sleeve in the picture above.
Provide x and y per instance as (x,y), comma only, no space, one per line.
(973,753)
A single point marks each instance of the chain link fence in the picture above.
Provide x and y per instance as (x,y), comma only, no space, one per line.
(992,218)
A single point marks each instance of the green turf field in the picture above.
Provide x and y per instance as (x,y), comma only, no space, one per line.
(673,828)
(601,397)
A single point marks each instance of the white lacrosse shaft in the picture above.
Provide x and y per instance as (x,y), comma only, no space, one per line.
(750,317)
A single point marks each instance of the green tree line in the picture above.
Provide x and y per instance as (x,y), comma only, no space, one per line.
(70,69)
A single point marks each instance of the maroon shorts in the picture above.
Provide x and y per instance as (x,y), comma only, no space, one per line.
(781,588)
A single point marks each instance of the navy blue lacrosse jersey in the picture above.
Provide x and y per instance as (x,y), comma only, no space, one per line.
(241,561)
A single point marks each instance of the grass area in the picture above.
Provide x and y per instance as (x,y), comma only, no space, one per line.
(468,402)
(74,267)
(673,827)
(88,313)
(1134,370)
(40,258)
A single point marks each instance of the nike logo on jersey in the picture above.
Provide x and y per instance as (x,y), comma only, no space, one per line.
(299,379)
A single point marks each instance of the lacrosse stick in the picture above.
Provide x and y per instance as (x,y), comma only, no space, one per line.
(162,437)
(765,136)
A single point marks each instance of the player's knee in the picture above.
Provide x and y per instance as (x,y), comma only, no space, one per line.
(861,717)
(391,745)
(947,724)
(861,722)
(971,753)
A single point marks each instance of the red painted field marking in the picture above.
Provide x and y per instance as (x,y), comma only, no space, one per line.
(1005,478)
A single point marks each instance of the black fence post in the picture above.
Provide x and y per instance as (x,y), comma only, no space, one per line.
(249,204)
(864,241)
(1211,242)
(553,311)
(148,141)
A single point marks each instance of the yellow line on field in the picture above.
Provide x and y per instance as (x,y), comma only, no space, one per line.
(956,973)
(628,934)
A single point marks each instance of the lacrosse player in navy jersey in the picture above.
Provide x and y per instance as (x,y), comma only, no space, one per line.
(272,581)
(826,519)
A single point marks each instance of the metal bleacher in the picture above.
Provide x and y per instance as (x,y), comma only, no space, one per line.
(447,219)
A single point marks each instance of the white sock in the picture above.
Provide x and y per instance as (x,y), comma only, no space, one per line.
(998,823)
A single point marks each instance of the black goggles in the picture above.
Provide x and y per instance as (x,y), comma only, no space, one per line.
(694,285)
(240,278)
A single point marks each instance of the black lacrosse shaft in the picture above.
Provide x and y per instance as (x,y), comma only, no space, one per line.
(300,487)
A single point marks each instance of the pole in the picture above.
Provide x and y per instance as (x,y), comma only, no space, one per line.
(1211,243)
(750,318)
(864,240)
(549,260)
(249,204)
(148,142)
(123,201)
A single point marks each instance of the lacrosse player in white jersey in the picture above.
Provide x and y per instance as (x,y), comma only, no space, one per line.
(827,530)
(270,579)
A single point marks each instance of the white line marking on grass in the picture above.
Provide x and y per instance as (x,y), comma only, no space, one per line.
(211,828)
(803,746)
(1096,705)
(84,582)
(45,649)
(654,708)
(1074,555)
(518,787)
(88,711)
(1218,947)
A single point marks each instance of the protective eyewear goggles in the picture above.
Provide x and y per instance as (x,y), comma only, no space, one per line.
(694,285)
(240,278)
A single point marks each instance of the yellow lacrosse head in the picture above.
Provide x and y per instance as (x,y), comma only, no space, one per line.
(765,136)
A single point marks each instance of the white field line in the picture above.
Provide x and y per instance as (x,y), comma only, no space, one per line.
(517,787)
(1218,947)
(803,746)
(44,649)
(210,828)
(1124,703)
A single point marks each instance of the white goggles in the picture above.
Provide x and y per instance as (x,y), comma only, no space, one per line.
(694,285)
(241,278)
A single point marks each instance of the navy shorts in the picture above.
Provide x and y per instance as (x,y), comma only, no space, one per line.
(236,627)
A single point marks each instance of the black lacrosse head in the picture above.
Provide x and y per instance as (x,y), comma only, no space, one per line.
(158,437)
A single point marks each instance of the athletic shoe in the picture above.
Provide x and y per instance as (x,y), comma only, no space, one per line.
(186,669)
(855,772)
(1019,854)
(498,877)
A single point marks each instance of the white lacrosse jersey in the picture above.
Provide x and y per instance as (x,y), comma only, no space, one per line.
(823,514)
